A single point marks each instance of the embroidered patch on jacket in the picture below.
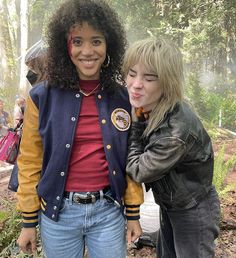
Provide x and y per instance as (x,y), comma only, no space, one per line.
(121,119)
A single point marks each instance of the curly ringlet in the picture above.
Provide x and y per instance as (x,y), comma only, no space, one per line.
(61,71)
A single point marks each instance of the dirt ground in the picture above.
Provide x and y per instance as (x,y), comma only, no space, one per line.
(226,243)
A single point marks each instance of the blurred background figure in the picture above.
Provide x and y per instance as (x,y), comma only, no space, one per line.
(36,59)
(18,117)
(4,120)
(19,109)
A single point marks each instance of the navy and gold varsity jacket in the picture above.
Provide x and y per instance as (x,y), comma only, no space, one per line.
(49,127)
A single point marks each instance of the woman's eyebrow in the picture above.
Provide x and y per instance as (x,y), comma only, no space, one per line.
(94,37)
(151,74)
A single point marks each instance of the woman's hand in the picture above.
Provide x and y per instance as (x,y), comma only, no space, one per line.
(27,240)
(134,230)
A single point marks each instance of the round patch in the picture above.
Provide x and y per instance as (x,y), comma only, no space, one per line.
(121,119)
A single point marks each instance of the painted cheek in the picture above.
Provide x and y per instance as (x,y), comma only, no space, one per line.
(69,43)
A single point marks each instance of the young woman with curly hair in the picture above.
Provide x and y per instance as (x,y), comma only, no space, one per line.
(72,179)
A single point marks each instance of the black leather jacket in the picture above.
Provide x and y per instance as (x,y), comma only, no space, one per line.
(175,160)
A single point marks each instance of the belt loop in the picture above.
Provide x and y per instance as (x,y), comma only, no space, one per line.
(71,198)
(101,194)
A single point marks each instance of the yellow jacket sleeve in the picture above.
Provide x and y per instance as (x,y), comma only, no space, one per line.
(133,199)
(30,165)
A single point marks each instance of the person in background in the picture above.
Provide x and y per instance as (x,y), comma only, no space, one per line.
(170,151)
(72,178)
(18,117)
(4,120)
(19,109)
(36,61)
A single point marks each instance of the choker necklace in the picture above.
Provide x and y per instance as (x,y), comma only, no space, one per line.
(89,93)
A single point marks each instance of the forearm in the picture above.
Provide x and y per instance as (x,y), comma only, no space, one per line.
(151,162)
(29,163)
(133,199)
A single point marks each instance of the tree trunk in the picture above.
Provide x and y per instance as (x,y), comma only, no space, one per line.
(24,45)
(8,61)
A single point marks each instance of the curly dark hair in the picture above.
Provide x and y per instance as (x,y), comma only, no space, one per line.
(61,71)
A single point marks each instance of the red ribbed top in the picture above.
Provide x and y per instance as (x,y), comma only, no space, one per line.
(88,168)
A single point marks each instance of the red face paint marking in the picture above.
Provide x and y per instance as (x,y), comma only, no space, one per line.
(69,43)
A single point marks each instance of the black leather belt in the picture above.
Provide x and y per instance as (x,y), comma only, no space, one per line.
(86,198)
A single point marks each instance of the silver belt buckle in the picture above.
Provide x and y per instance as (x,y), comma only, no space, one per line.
(77,197)
(93,198)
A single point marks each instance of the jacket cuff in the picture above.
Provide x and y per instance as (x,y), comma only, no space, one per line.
(30,219)
(132,212)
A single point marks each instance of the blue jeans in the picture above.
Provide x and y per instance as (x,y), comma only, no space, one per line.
(190,233)
(100,226)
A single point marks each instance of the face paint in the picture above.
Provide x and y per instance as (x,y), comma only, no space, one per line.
(31,77)
(87,48)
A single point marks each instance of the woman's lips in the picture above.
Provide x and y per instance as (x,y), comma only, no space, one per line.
(136,95)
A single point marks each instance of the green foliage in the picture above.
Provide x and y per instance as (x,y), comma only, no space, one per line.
(221,169)
(209,103)
(204,30)
(206,33)
(11,226)
(9,235)
(228,112)
(196,94)
(3,216)
(11,221)
(12,250)
(8,95)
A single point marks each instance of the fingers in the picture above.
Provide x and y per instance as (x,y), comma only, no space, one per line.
(33,246)
(132,235)
(135,236)
(128,237)
(29,248)
(27,240)
(24,247)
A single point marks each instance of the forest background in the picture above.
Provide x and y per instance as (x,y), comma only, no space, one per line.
(204,30)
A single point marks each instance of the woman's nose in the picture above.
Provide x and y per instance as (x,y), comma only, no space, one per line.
(87,49)
(137,83)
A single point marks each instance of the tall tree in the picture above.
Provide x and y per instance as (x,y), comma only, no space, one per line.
(8,78)
(24,44)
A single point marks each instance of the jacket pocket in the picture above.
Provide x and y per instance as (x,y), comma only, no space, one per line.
(171,192)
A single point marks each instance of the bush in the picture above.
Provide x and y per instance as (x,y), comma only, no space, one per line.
(12,225)
(221,169)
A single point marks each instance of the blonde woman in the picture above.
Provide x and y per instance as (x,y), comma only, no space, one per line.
(170,151)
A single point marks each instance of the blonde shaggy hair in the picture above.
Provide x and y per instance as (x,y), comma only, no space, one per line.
(161,57)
